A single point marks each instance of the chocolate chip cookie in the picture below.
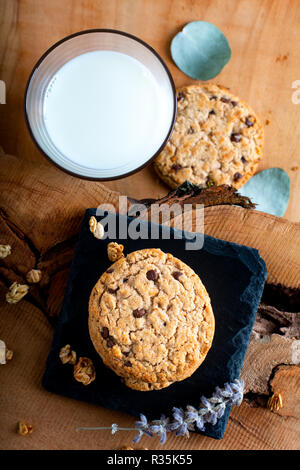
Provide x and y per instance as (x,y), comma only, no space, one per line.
(150,319)
(217,138)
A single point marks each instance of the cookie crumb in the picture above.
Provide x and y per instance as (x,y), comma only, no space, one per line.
(96,228)
(16,292)
(267,122)
(34,276)
(5,250)
(115,251)
(295,168)
(24,429)
(84,371)
(67,356)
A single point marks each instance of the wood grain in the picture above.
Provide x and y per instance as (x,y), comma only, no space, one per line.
(263,34)
(276,239)
(56,418)
(41,207)
(41,223)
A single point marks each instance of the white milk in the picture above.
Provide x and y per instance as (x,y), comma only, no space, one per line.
(105,110)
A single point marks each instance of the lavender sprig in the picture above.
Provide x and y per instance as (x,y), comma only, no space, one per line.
(209,411)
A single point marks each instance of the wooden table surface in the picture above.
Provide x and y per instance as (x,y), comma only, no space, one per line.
(264,36)
(265,39)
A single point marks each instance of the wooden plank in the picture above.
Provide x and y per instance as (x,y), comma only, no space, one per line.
(265,62)
(276,239)
(48,206)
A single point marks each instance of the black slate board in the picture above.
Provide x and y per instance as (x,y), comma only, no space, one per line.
(234,276)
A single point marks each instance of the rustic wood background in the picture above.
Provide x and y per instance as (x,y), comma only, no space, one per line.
(264,36)
(41,207)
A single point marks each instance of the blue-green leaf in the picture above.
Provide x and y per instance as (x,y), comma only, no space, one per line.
(270,190)
(200,50)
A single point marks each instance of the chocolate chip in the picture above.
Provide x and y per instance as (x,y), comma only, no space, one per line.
(112,291)
(180,96)
(176,167)
(237,176)
(110,342)
(110,270)
(212,112)
(139,312)
(243,159)
(105,332)
(235,137)
(225,100)
(126,353)
(176,275)
(125,279)
(127,364)
(249,121)
(152,275)
(234,103)
(191,130)
(213,97)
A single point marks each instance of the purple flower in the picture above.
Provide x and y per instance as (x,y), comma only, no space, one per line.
(206,403)
(160,428)
(200,423)
(210,411)
(178,414)
(143,423)
(182,430)
(143,427)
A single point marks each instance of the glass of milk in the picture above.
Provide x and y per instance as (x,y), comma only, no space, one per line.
(100,104)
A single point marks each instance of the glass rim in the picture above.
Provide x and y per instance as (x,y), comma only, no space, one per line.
(121,33)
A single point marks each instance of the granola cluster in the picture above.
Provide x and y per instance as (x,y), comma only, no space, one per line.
(16,292)
(115,251)
(84,370)
(34,276)
(96,228)
(24,429)
(5,250)
(67,356)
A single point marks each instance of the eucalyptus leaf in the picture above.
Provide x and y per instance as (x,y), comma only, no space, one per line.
(270,190)
(200,50)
